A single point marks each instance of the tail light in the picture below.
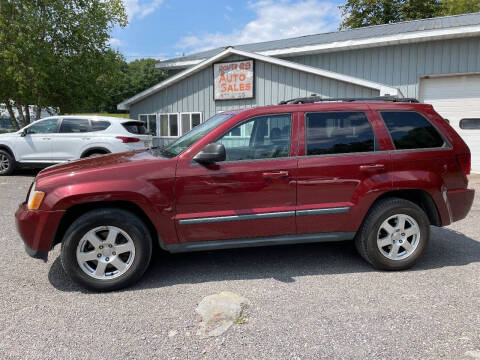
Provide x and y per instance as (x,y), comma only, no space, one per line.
(126,139)
(464,161)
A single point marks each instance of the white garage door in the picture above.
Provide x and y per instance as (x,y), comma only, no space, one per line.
(457,99)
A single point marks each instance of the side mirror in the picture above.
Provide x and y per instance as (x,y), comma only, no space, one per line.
(23,133)
(211,153)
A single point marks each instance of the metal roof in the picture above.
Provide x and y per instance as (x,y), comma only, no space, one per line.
(439,23)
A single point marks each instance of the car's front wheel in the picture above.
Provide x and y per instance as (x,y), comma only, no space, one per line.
(106,249)
(394,234)
(7,163)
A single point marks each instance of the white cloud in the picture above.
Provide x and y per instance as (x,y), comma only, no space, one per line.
(115,42)
(274,20)
(138,9)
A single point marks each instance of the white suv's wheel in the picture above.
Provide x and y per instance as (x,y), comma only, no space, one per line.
(7,163)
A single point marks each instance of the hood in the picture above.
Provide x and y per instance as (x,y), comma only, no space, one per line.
(8,135)
(99,163)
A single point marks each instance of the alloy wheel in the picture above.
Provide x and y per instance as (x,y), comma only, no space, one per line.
(105,252)
(4,163)
(398,237)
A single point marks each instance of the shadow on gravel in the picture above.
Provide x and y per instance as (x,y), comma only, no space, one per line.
(283,263)
(26,172)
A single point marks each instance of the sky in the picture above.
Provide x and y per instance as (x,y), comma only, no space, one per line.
(164,29)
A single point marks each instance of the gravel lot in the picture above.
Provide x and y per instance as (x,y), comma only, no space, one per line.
(306,302)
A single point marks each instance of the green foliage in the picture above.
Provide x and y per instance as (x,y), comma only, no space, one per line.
(359,13)
(132,78)
(55,53)
(455,7)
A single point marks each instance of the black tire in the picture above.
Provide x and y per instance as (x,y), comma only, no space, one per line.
(122,219)
(7,158)
(366,238)
(94,154)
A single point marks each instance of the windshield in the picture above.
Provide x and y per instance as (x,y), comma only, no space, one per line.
(190,138)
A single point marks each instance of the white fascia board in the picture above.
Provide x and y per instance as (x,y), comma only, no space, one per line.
(178,64)
(404,38)
(384,89)
(417,36)
(125,105)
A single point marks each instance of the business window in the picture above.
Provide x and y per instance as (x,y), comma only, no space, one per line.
(150,121)
(190,120)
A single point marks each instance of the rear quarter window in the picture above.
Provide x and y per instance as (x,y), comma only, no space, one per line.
(135,127)
(100,125)
(411,130)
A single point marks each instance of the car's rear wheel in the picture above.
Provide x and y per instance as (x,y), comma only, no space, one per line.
(394,234)
(106,249)
(7,163)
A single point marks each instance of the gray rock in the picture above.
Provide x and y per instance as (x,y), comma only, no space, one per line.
(219,312)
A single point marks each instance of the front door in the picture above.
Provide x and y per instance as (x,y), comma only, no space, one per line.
(36,145)
(343,170)
(251,194)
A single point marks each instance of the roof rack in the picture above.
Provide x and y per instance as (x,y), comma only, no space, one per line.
(314,98)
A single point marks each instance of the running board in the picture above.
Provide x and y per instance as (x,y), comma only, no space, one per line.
(254,242)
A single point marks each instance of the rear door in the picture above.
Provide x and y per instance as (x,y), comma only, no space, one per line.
(344,166)
(72,135)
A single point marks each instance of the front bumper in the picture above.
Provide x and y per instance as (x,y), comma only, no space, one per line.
(459,203)
(37,229)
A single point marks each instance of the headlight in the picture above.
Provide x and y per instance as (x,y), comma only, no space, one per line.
(35,198)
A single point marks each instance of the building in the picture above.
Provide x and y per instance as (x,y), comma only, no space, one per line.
(435,60)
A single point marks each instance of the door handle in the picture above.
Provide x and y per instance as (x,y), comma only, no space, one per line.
(46,138)
(275,175)
(85,138)
(372,167)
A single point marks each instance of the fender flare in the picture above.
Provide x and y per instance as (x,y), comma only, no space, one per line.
(93,149)
(9,149)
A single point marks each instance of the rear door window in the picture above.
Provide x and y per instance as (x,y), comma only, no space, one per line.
(135,127)
(70,126)
(411,130)
(339,133)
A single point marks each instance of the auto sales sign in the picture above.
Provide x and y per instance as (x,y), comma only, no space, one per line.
(233,80)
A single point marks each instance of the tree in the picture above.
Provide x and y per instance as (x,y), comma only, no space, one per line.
(134,77)
(359,13)
(455,7)
(55,53)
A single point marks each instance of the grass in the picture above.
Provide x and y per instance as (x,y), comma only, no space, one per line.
(242,319)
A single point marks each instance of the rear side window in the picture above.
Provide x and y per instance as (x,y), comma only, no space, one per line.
(100,125)
(411,130)
(69,126)
(470,124)
(339,133)
(135,127)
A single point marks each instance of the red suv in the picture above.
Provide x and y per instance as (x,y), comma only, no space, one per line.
(376,171)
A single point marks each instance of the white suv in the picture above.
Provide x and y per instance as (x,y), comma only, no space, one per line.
(62,138)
